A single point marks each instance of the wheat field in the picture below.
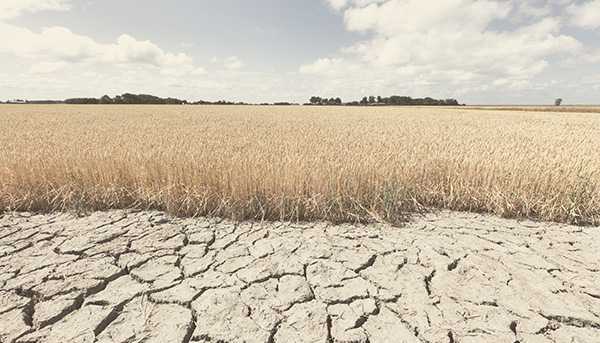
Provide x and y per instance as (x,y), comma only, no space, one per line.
(562,109)
(300,163)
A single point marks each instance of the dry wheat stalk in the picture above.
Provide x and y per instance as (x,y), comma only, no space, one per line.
(300,163)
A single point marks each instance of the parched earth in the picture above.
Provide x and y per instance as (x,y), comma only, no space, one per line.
(124,276)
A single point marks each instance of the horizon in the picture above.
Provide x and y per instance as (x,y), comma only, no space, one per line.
(509,53)
(198,101)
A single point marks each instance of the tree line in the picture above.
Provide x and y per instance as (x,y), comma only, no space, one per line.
(137,99)
(394,100)
(134,99)
(317,100)
(126,98)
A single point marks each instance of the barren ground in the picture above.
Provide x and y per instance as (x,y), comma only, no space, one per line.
(124,276)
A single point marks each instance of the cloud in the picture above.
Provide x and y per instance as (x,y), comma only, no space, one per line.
(409,16)
(324,66)
(54,48)
(337,4)
(468,43)
(46,67)
(14,8)
(532,9)
(56,45)
(340,4)
(233,63)
(586,14)
(130,50)
(199,71)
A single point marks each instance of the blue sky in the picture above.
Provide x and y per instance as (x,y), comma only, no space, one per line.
(479,51)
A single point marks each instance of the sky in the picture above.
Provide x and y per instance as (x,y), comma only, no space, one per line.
(477,51)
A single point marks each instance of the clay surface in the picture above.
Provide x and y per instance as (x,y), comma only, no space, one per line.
(125,276)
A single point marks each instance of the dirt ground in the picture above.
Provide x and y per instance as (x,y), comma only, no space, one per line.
(124,276)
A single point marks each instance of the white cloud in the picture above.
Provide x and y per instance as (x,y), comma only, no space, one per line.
(532,8)
(130,50)
(53,48)
(199,71)
(46,67)
(55,45)
(233,63)
(324,66)
(586,14)
(461,42)
(337,4)
(14,8)
(399,16)
(340,4)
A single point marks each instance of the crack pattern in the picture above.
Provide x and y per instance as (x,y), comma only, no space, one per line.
(135,276)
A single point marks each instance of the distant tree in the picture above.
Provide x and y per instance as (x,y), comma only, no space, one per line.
(396,100)
(172,101)
(315,100)
(558,102)
(338,101)
(106,100)
(129,98)
(82,101)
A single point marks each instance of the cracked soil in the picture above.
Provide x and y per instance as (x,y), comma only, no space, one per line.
(125,276)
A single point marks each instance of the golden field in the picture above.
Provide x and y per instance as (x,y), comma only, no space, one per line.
(562,109)
(300,163)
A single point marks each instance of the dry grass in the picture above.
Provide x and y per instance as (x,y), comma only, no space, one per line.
(300,163)
(557,109)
